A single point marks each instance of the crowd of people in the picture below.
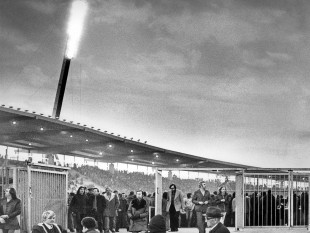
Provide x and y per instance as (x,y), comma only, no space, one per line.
(126,181)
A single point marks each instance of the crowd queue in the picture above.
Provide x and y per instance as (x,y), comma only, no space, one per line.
(91,211)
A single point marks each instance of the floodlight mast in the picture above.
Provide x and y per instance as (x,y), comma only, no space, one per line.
(74,31)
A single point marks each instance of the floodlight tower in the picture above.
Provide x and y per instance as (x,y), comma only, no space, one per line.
(74,32)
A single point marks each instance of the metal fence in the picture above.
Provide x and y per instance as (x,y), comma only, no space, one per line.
(275,199)
(39,188)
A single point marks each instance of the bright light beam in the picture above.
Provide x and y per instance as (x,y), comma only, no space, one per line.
(75,26)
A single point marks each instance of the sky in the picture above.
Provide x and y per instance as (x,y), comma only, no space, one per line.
(221,79)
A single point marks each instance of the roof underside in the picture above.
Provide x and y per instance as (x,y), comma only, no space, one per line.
(45,135)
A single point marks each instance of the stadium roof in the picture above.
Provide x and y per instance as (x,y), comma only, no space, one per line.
(41,134)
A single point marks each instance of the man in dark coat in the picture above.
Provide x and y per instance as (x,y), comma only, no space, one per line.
(98,204)
(122,213)
(213,217)
(201,199)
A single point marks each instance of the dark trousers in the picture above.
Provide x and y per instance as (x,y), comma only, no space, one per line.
(70,220)
(174,218)
(78,218)
(121,220)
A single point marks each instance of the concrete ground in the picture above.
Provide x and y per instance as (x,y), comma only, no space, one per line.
(246,230)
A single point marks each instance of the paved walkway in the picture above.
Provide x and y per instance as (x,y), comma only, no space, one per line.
(246,230)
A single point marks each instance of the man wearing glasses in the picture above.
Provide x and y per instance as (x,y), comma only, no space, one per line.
(213,217)
(201,200)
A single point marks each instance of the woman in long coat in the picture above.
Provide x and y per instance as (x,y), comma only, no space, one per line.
(78,207)
(10,208)
(138,212)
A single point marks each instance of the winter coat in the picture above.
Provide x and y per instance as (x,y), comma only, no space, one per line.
(78,204)
(12,209)
(112,204)
(219,228)
(42,228)
(140,209)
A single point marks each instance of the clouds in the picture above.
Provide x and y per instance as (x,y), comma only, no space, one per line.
(229,78)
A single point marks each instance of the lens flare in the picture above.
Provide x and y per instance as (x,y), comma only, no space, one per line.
(75,26)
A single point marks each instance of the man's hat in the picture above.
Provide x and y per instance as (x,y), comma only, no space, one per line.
(214,212)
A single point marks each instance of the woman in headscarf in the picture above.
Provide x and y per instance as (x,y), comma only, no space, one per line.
(10,208)
(48,224)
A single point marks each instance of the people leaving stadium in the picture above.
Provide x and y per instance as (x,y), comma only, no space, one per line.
(48,224)
(175,203)
(138,212)
(213,217)
(201,200)
(78,207)
(10,208)
(110,211)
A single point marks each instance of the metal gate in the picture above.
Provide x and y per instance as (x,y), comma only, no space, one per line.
(40,188)
(275,199)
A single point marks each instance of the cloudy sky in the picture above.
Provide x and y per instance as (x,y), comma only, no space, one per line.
(223,79)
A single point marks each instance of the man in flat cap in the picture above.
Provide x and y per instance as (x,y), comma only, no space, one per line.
(213,217)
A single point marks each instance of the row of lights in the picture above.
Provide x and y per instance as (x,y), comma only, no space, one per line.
(78,123)
(110,146)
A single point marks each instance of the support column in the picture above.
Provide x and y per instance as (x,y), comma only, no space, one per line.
(308,194)
(158,191)
(239,220)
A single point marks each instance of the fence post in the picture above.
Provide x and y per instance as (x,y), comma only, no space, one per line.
(158,191)
(239,221)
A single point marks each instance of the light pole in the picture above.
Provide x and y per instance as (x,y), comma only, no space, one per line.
(74,32)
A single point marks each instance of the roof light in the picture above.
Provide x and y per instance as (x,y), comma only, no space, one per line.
(110,145)
(71,136)
(100,153)
(132,159)
(131,151)
(41,128)
(86,140)
(157,155)
(14,122)
(29,144)
(177,160)
(153,163)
